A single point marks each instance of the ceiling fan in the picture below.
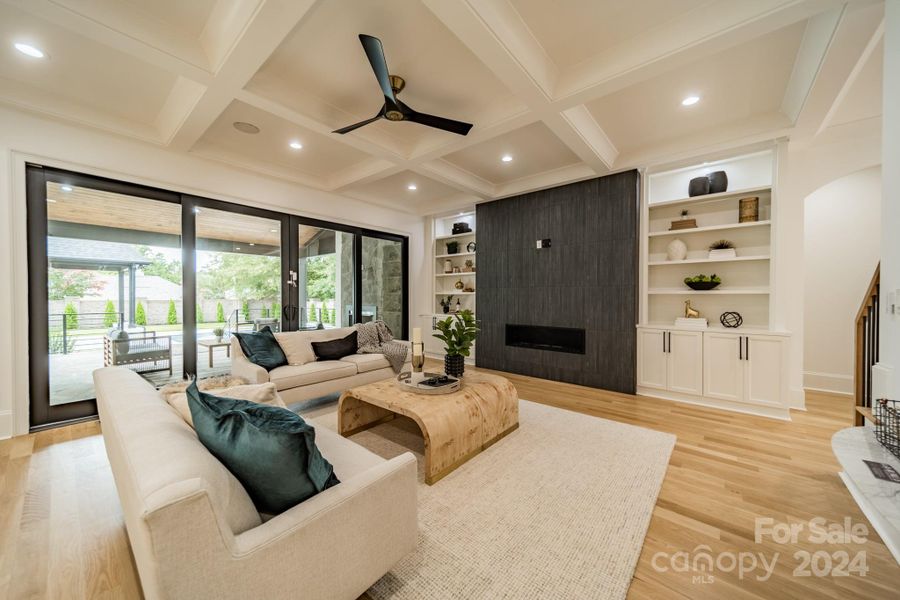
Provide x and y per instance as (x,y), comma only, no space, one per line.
(391,85)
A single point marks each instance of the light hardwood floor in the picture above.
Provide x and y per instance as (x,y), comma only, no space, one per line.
(62,534)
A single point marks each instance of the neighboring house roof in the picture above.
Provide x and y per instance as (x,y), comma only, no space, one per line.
(91,254)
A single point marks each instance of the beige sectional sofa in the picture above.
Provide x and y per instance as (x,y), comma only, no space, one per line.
(305,377)
(195,533)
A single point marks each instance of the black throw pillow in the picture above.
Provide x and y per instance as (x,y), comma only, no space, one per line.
(271,450)
(335,349)
(261,348)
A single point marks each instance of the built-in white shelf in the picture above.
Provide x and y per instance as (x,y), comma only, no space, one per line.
(456,235)
(716,292)
(454,293)
(731,227)
(454,255)
(713,197)
(700,261)
(470,274)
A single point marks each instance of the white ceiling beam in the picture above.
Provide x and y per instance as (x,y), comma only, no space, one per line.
(692,36)
(857,32)
(494,31)
(817,37)
(458,179)
(547,179)
(362,173)
(268,27)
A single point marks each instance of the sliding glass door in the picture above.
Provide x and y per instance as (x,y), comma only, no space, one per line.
(156,281)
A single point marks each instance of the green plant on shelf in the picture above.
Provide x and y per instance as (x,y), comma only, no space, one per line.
(703,279)
(721,245)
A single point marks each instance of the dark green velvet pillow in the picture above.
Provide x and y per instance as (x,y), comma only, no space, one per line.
(261,348)
(271,450)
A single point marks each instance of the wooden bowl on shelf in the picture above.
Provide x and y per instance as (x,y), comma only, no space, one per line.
(703,286)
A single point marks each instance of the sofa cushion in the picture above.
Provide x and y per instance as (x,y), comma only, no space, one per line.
(367,362)
(296,347)
(261,348)
(348,458)
(335,349)
(271,450)
(262,393)
(291,376)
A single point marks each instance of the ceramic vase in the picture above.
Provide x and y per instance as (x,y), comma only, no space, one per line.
(454,366)
(676,250)
(718,182)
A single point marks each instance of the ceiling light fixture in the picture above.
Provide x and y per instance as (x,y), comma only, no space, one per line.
(29,50)
(252,244)
(412,187)
(51,201)
(296,145)
(245,127)
(196,210)
(506,158)
(273,231)
(66,188)
(237,247)
(690,100)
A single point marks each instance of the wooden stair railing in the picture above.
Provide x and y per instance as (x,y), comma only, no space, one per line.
(867,347)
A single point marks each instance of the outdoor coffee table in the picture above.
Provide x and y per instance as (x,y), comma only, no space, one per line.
(212,344)
(455,426)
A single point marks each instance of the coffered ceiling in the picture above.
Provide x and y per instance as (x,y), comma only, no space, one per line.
(565,90)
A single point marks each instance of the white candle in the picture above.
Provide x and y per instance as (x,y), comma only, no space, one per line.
(417,335)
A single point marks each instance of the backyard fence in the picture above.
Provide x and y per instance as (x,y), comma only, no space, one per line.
(71,331)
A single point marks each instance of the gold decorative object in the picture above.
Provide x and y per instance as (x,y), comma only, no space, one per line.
(469,288)
(459,285)
(749,209)
(690,313)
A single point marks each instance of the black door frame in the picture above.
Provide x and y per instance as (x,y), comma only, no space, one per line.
(41,414)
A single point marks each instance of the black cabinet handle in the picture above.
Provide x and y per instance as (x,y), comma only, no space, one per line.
(670,342)
(741,348)
(747,353)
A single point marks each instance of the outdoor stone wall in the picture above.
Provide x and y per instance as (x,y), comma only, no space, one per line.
(383,280)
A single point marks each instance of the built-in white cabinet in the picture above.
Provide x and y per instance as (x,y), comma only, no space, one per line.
(670,360)
(715,368)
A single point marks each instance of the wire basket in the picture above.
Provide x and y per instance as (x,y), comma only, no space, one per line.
(887,424)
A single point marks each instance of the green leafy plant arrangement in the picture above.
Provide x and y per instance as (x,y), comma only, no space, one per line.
(218,331)
(703,279)
(721,245)
(458,332)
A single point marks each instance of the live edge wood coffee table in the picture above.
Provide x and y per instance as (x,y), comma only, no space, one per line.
(455,426)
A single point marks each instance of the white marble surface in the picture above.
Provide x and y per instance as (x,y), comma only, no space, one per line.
(879,499)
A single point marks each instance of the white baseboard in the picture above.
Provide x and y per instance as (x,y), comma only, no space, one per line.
(836,383)
(6,424)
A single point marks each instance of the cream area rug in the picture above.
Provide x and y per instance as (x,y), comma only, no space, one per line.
(558,509)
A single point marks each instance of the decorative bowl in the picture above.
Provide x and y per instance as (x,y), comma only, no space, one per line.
(703,285)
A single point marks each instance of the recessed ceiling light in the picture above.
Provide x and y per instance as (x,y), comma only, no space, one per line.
(690,100)
(273,231)
(51,201)
(506,158)
(412,187)
(244,127)
(29,50)
(237,247)
(66,188)
(296,145)
(252,244)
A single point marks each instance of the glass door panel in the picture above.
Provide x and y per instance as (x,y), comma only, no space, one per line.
(383,287)
(114,287)
(326,276)
(238,265)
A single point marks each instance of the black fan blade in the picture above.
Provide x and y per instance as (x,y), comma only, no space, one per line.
(350,128)
(450,125)
(375,54)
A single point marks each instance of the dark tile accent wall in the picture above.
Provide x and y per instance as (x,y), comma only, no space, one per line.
(588,279)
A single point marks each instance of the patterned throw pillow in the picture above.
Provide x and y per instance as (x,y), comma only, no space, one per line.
(367,337)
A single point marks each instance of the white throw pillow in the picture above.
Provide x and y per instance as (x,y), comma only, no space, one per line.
(296,347)
(261,393)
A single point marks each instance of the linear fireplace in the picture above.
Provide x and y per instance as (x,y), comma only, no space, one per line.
(555,339)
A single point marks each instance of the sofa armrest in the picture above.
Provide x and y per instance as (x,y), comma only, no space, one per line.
(241,367)
(334,545)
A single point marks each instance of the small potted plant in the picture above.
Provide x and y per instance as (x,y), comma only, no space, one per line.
(722,249)
(458,334)
(703,282)
(218,332)
(453,247)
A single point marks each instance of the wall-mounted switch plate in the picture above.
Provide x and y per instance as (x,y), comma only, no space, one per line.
(544,243)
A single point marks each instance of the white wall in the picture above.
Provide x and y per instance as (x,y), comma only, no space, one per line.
(24,137)
(841,248)
(887,383)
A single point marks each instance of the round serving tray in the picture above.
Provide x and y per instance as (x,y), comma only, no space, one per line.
(414,385)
